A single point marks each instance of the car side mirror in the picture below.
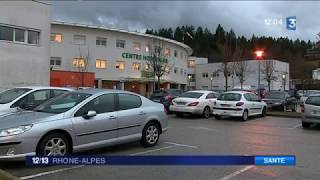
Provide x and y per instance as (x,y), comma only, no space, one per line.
(90,114)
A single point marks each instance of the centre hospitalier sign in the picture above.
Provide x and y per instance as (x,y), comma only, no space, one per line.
(140,57)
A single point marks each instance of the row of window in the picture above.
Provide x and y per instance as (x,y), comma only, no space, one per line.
(102,41)
(19,35)
(103,64)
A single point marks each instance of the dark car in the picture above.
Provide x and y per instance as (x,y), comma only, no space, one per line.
(280,100)
(165,96)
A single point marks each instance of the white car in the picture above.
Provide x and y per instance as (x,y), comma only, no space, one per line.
(239,104)
(27,97)
(194,102)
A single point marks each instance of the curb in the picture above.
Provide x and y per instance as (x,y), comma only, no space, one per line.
(284,115)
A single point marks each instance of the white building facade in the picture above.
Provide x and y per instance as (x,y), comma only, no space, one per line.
(210,76)
(117,57)
(24,43)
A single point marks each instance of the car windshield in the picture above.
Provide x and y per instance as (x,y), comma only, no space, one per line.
(229,97)
(196,95)
(12,94)
(62,103)
(313,100)
(276,95)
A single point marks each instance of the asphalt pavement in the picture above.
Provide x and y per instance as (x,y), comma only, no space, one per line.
(196,136)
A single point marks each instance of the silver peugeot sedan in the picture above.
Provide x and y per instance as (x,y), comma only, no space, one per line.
(311,111)
(82,120)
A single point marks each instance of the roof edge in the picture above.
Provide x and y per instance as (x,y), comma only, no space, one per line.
(188,48)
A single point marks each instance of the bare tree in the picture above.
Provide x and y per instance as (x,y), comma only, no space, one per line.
(82,63)
(240,65)
(157,60)
(227,66)
(268,71)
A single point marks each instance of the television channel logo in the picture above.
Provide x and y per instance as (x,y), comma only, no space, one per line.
(292,23)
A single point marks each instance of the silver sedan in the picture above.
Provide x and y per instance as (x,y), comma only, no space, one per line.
(82,120)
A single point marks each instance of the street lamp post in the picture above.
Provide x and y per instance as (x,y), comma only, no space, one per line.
(211,78)
(284,81)
(189,80)
(259,55)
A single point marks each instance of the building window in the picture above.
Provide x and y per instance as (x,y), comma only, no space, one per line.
(167,52)
(55,61)
(120,65)
(79,39)
(147,67)
(101,64)
(185,72)
(175,70)
(181,71)
(175,53)
(56,37)
(19,35)
(33,37)
(147,48)
(6,33)
(121,44)
(191,63)
(78,62)
(157,50)
(205,75)
(101,41)
(136,46)
(168,69)
(136,66)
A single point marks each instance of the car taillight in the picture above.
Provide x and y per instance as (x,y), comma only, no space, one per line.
(302,108)
(193,104)
(240,103)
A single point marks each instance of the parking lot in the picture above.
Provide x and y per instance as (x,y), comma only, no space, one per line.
(197,136)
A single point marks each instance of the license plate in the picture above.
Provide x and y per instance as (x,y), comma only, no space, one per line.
(226,105)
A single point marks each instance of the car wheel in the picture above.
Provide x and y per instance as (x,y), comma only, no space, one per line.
(305,124)
(217,117)
(245,115)
(150,134)
(54,144)
(206,112)
(264,112)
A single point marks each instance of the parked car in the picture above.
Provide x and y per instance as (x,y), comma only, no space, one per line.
(239,104)
(280,100)
(82,120)
(27,97)
(165,97)
(307,93)
(194,102)
(311,111)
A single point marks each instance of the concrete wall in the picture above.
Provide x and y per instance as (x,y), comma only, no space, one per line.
(67,50)
(21,63)
(218,82)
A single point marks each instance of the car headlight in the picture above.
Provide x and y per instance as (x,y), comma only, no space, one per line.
(15,130)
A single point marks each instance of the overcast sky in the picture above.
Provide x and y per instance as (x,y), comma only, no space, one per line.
(245,17)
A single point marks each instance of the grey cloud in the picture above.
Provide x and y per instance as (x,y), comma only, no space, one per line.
(246,18)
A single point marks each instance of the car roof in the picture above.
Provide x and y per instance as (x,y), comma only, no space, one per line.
(239,92)
(202,91)
(98,91)
(45,87)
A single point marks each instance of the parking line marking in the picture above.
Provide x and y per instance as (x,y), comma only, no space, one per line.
(297,126)
(75,167)
(153,150)
(184,145)
(201,128)
(234,174)
(49,172)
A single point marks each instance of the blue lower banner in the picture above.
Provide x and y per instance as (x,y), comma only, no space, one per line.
(161,160)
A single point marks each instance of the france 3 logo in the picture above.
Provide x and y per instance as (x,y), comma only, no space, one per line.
(291,22)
